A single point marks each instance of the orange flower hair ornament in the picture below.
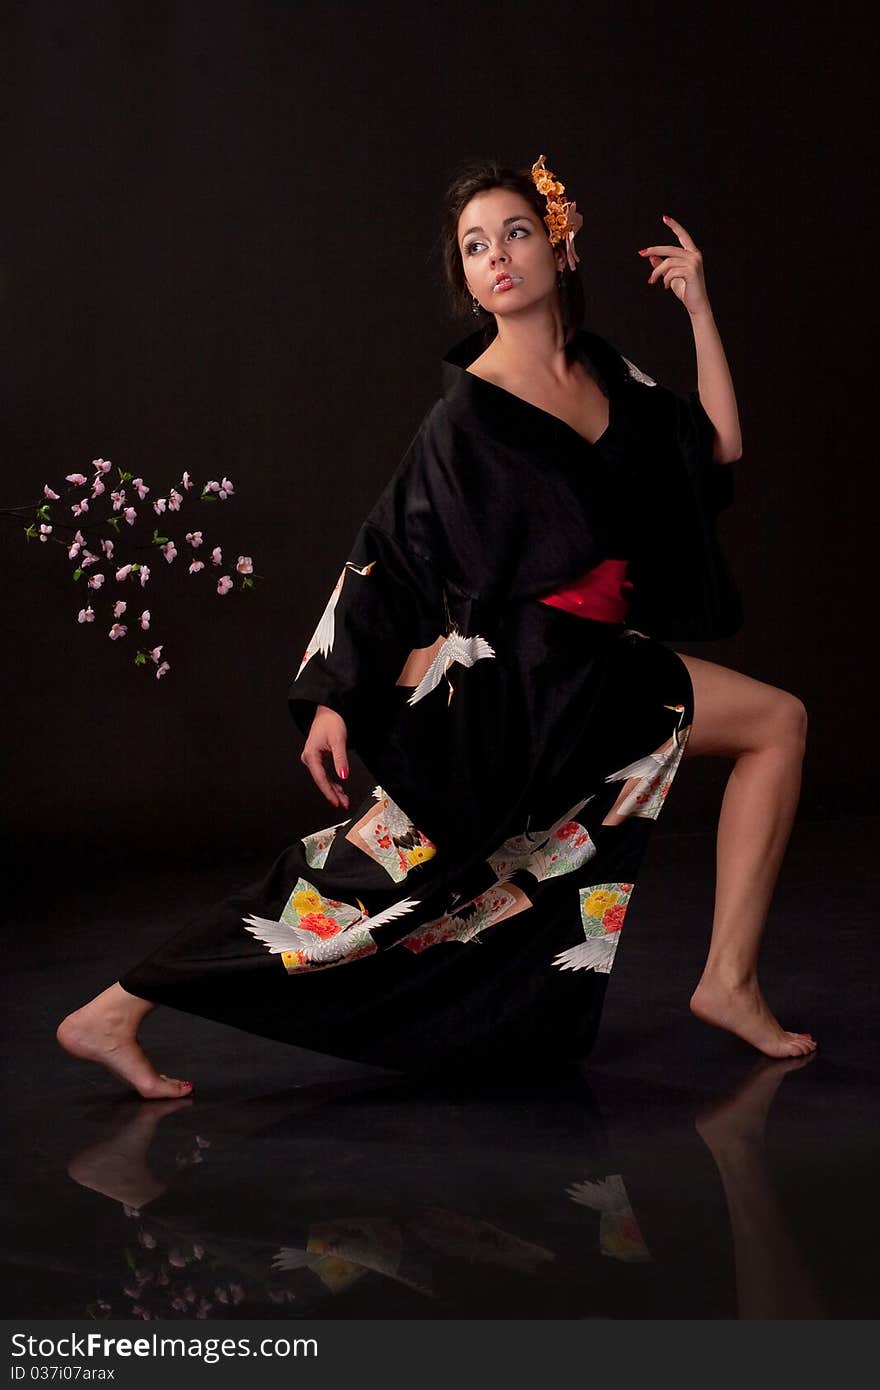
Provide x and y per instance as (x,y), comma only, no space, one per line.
(562,217)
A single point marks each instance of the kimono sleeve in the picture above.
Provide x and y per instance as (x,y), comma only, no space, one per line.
(684,587)
(695,435)
(386,601)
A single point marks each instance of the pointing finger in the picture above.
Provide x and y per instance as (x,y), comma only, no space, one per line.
(683,236)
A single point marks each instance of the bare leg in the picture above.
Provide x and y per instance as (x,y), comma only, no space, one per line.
(105,1031)
(764,730)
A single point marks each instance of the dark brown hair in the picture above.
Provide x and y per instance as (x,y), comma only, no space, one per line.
(479,177)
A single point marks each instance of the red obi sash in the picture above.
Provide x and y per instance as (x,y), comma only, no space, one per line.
(600,594)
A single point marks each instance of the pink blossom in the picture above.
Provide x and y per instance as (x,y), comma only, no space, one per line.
(119,607)
(176,1259)
(174,500)
(86,615)
(217,555)
(140,487)
(130,515)
(98,487)
(226,488)
(118,630)
(147,1240)
(79,507)
(244,564)
(224,584)
(156,652)
(45,531)
(77,478)
(237,1293)
(123,572)
(145,574)
(88,559)
(198,1250)
(102,465)
(96,581)
(203,1143)
(179,1304)
(169,550)
(187,481)
(194,538)
(107,547)
(196,566)
(144,619)
(163,669)
(47,492)
(159,505)
(220,1294)
(212,487)
(74,550)
(118,498)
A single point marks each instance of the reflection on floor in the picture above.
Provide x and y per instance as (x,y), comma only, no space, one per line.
(672,1174)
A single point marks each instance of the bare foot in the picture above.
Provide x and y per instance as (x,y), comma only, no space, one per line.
(743,1010)
(105,1031)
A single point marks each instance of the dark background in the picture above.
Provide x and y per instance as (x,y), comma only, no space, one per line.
(220,252)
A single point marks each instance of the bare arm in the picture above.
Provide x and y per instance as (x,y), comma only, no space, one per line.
(715,386)
(680,268)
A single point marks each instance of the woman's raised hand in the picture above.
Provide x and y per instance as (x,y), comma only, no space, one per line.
(327,739)
(680,268)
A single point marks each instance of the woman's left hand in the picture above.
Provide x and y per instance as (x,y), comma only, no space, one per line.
(680,267)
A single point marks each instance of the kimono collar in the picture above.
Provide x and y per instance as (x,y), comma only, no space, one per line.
(474,402)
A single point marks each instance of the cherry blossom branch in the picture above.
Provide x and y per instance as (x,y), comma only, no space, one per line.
(42,528)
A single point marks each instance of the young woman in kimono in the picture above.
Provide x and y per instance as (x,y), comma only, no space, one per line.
(493,649)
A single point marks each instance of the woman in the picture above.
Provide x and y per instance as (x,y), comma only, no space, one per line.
(475,652)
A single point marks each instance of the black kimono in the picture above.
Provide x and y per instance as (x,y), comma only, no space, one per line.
(470,908)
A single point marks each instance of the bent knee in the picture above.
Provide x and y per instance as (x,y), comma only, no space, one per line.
(787,719)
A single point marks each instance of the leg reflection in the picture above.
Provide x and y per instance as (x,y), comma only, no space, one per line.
(773,1279)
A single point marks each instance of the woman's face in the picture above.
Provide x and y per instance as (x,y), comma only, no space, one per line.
(499,233)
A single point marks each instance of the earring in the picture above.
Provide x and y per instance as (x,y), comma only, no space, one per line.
(476,306)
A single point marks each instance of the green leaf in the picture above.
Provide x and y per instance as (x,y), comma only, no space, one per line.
(78,573)
(140,659)
(30,531)
(209,497)
(114,522)
(247,582)
(44,512)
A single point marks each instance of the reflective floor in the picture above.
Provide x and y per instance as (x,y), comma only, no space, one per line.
(672,1174)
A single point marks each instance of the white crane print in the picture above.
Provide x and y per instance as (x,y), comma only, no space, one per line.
(323,637)
(465,650)
(648,779)
(282,936)
(637,375)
